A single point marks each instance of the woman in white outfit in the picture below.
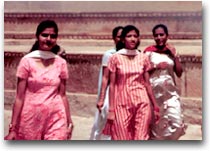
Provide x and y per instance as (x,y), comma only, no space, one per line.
(166,62)
(103,86)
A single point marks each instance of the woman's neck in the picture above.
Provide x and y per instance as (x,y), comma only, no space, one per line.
(160,47)
(125,51)
(131,49)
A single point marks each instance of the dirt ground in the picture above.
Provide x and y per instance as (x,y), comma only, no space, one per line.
(83,127)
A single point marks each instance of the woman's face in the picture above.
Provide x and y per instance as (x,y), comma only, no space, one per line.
(131,40)
(160,37)
(47,39)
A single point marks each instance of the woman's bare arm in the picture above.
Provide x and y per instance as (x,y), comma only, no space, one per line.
(17,108)
(104,85)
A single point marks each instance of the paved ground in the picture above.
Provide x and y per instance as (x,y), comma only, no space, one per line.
(83,127)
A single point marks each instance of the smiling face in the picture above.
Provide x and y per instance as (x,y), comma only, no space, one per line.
(131,40)
(47,39)
(160,37)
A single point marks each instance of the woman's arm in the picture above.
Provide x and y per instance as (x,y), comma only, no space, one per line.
(111,95)
(17,108)
(149,89)
(177,67)
(62,90)
(105,82)
(151,95)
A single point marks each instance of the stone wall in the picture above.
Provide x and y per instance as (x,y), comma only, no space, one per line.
(84,70)
(80,30)
(181,25)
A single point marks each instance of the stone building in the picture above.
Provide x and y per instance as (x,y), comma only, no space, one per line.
(85,33)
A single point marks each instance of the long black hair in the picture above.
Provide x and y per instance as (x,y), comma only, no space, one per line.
(115,31)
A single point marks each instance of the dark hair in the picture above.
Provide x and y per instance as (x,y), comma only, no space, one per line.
(46,24)
(40,28)
(164,27)
(115,31)
(126,30)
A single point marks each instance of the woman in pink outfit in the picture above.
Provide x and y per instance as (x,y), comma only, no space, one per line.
(129,92)
(41,110)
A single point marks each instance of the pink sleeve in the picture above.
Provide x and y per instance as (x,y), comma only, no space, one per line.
(64,70)
(23,69)
(112,63)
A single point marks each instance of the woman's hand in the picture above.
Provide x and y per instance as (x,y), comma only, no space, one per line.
(70,130)
(171,49)
(156,113)
(99,105)
(108,126)
(111,115)
(162,65)
(11,136)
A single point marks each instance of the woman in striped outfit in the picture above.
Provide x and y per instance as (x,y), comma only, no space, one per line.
(130,93)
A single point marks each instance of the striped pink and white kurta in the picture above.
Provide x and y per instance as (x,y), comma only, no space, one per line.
(132,104)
